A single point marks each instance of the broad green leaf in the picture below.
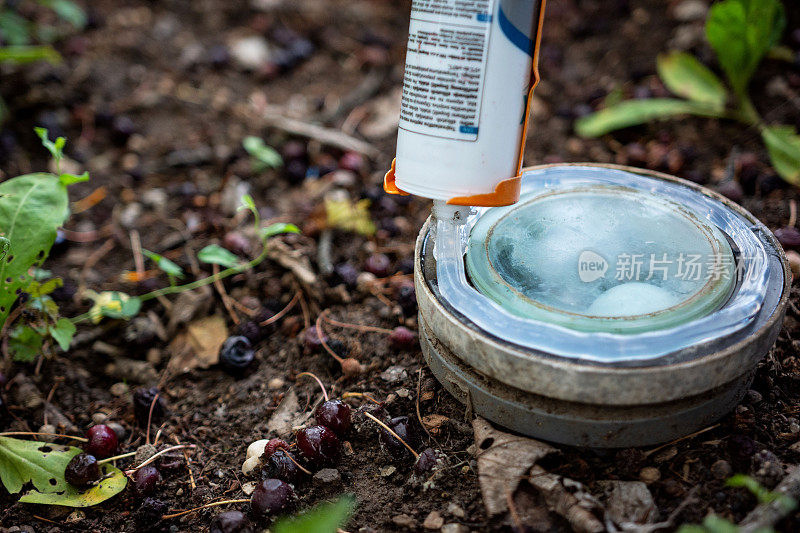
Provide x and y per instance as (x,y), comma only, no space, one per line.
(349,216)
(741,32)
(5,246)
(113,304)
(63,332)
(25,343)
(324,518)
(277,229)
(783,145)
(167,266)
(635,112)
(67,10)
(23,54)
(113,482)
(40,463)
(32,207)
(692,528)
(685,76)
(14,28)
(264,157)
(716,524)
(214,254)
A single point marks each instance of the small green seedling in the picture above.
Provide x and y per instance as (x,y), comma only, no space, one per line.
(742,33)
(263,157)
(715,524)
(324,518)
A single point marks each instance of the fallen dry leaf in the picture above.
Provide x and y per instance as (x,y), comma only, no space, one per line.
(282,419)
(433,422)
(567,498)
(198,346)
(503,460)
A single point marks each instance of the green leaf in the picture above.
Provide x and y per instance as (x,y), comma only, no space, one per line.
(264,157)
(783,145)
(635,112)
(349,216)
(68,11)
(70,179)
(23,54)
(56,148)
(167,266)
(114,304)
(716,524)
(14,28)
(214,254)
(5,246)
(741,32)
(43,464)
(32,208)
(25,343)
(685,76)
(250,204)
(113,482)
(324,518)
(277,229)
(63,332)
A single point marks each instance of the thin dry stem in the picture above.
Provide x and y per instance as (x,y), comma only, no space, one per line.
(150,417)
(277,316)
(357,327)
(320,336)
(298,465)
(21,433)
(159,454)
(206,506)
(395,435)
(319,382)
(123,456)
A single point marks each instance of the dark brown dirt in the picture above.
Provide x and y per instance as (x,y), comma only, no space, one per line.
(190,116)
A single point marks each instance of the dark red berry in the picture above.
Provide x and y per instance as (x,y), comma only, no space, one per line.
(789,237)
(280,466)
(236,354)
(402,338)
(311,339)
(146,479)
(406,430)
(102,441)
(82,470)
(142,399)
(318,444)
(378,264)
(150,512)
(230,522)
(334,415)
(271,496)
(251,330)
(407,298)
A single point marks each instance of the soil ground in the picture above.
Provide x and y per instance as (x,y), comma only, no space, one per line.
(167,67)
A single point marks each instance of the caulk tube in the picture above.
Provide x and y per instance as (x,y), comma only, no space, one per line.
(470,70)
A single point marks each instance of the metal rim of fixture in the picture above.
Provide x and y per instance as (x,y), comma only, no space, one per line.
(588,402)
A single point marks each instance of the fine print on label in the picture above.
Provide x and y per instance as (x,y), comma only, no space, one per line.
(445,67)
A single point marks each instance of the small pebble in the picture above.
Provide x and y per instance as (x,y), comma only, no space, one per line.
(456,510)
(276,383)
(326,477)
(118,429)
(393,374)
(433,521)
(119,389)
(721,469)
(650,474)
(99,418)
(403,520)
(47,428)
(455,528)
(387,471)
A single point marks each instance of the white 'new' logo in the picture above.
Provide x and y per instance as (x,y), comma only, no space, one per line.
(591,266)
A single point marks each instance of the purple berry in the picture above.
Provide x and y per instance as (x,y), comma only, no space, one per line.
(789,237)
(142,399)
(280,466)
(428,460)
(334,415)
(150,512)
(230,522)
(146,479)
(102,441)
(406,430)
(402,338)
(378,264)
(319,445)
(82,470)
(271,496)
(236,354)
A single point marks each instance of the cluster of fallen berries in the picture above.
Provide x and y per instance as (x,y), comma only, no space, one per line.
(320,445)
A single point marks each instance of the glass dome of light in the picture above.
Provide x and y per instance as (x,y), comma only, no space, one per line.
(600,258)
